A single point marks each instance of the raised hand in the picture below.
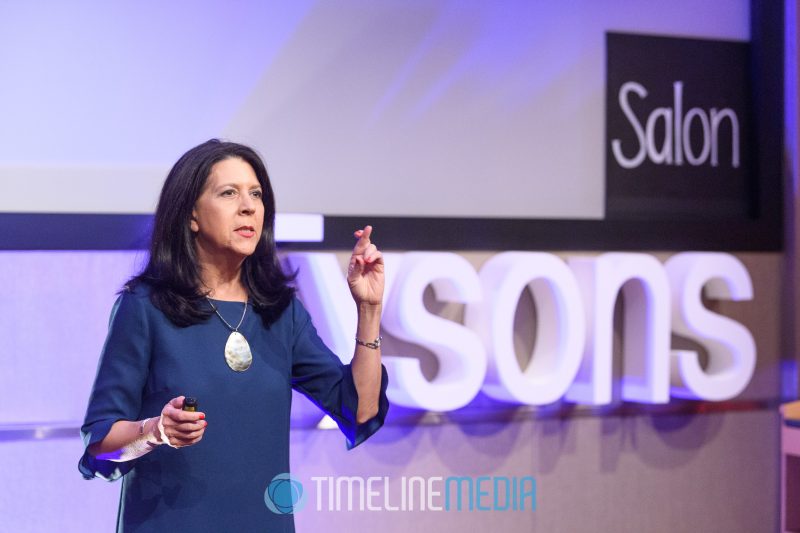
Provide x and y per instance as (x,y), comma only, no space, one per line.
(365,272)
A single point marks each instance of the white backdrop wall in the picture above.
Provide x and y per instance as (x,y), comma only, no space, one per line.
(360,108)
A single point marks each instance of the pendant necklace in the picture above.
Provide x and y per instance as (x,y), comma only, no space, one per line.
(237,350)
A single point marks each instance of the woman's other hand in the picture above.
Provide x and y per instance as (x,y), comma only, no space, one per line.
(365,272)
(181,428)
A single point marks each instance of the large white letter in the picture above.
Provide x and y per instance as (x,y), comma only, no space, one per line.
(717,115)
(677,115)
(696,160)
(664,155)
(462,358)
(560,328)
(645,287)
(731,348)
(616,144)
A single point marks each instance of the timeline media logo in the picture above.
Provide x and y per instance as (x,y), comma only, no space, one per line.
(285,493)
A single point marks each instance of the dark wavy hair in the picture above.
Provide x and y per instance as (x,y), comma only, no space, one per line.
(172,271)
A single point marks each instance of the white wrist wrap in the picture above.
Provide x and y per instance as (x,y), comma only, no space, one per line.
(164,438)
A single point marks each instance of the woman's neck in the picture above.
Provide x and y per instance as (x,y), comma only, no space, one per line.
(223,283)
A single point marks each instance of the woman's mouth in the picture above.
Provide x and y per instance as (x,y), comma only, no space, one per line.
(246,231)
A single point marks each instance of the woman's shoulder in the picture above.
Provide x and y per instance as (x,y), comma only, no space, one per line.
(136,290)
(295,310)
(132,298)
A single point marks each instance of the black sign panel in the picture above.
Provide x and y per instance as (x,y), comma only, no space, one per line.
(677,129)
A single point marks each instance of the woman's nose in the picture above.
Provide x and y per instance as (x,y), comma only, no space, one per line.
(247,205)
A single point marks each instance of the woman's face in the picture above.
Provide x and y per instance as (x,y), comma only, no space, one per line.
(228,216)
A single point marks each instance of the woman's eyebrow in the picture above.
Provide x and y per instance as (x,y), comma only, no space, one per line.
(236,185)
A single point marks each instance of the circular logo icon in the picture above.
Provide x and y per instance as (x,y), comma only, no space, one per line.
(284,494)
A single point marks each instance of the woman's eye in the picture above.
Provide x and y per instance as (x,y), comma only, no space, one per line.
(228,192)
(258,194)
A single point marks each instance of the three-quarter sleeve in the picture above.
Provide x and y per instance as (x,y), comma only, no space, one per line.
(118,386)
(321,376)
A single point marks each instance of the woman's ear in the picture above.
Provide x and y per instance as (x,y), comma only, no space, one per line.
(193,223)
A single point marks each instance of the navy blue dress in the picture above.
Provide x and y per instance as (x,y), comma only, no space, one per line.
(217,484)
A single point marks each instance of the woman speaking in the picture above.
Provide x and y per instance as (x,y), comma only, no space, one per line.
(213,316)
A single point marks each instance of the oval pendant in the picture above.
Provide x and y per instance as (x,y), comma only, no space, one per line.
(237,352)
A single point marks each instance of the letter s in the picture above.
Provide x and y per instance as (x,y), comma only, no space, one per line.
(616,144)
(731,348)
(462,357)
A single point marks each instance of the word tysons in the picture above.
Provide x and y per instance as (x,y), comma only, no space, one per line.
(572,356)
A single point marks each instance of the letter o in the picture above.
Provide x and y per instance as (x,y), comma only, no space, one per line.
(561,326)
(687,141)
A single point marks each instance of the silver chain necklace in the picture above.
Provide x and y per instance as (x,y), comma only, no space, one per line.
(237,350)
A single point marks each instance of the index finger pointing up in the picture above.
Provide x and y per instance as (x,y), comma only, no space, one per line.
(363,238)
